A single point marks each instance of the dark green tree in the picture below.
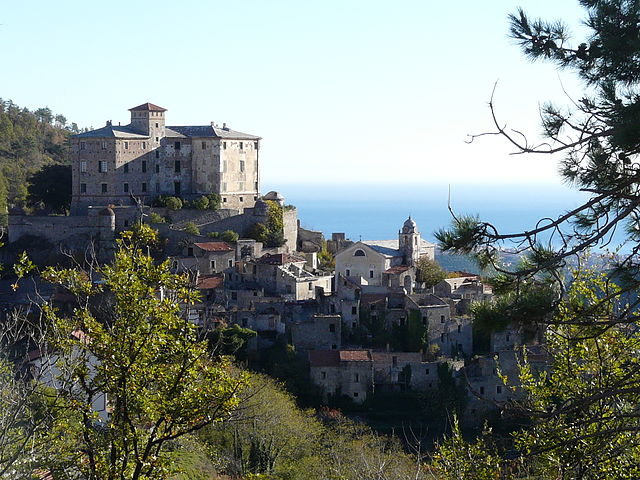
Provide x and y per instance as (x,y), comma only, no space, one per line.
(51,185)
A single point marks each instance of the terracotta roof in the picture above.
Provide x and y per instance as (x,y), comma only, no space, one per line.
(397,270)
(149,107)
(206,282)
(332,358)
(215,246)
(279,259)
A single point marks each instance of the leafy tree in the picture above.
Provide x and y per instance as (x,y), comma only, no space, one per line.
(201,203)
(229,236)
(156,218)
(275,224)
(159,379)
(51,185)
(584,408)
(215,200)
(259,232)
(191,228)
(326,259)
(172,203)
(430,272)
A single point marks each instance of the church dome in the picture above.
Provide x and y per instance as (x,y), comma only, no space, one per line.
(409,226)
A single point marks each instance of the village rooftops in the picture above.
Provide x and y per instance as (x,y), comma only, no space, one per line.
(214,246)
(333,358)
(197,131)
(279,259)
(207,282)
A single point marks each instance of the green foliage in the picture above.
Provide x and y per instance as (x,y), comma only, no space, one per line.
(156,218)
(457,459)
(213,234)
(215,200)
(191,228)
(28,141)
(230,341)
(275,224)
(229,236)
(410,337)
(158,376)
(430,272)
(201,203)
(259,232)
(172,203)
(142,237)
(326,259)
(51,185)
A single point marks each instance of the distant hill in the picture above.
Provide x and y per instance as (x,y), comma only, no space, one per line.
(28,141)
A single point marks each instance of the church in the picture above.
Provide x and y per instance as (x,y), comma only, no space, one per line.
(386,263)
(121,165)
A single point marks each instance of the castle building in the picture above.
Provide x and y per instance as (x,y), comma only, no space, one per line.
(121,165)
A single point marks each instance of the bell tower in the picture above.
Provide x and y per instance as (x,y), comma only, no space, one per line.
(409,242)
(148,119)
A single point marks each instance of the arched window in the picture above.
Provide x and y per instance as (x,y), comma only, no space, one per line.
(359,253)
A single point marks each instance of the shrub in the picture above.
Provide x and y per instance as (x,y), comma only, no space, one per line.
(258,232)
(214,201)
(155,218)
(201,203)
(213,234)
(191,228)
(229,236)
(173,203)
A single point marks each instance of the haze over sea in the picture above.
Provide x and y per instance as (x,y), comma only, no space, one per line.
(377,211)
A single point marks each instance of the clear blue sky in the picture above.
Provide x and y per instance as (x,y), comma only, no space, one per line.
(340,91)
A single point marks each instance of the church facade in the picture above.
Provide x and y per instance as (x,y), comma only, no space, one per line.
(122,165)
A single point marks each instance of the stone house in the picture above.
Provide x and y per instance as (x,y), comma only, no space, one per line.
(147,158)
(207,258)
(395,371)
(464,286)
(316,332)
(342,372)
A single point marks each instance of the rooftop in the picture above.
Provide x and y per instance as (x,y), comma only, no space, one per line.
(149,107)
(332,358)
(206,282)
(214,246)
(279,259)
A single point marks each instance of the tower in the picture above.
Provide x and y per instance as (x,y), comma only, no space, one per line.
(409,242)
(149,119)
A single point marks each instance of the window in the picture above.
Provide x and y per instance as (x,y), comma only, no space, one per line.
(83,188)
(102,166)
(332,327)
(356,377)
(126,223)
(355,394)
(103,187)
(190,252)
(354,325)
(459,328)
(359,253)
(212,264)
(426,371)
(157,139)
(177,189)
(224,200)
(125,169)
(334,347)
(157,187)
(176,145)
(231,262)
(223,188)
(441,318)
(323,375)
(83,167)
(176,166)
(144,166)
(234,295)
(499,389)
(424,320)
(354,310)
(241,145)
(125,188)
(481,390)
(224,145)
(310,285)
(157,153)
(83,145)
(255,145)
(103,145)
(347,272)
(402,321)
(157,168)
(241,199)
(144,145)
(442,337)
(370,273)
(144,187)
(204,145)
(126,145)
(157,125)
(242,165)
(394,361)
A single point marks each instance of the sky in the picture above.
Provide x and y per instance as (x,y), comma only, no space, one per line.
(349,91)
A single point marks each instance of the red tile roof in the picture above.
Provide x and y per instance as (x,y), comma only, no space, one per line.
(148,107)
(332,358)
(397,270)
(215,246)
(206,282)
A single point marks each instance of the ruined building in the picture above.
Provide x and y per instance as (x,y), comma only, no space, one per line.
(120,165)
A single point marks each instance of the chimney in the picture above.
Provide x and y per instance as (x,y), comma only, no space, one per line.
(224,126)
(109,123)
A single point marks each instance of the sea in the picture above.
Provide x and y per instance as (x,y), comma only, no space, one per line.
(377,211)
